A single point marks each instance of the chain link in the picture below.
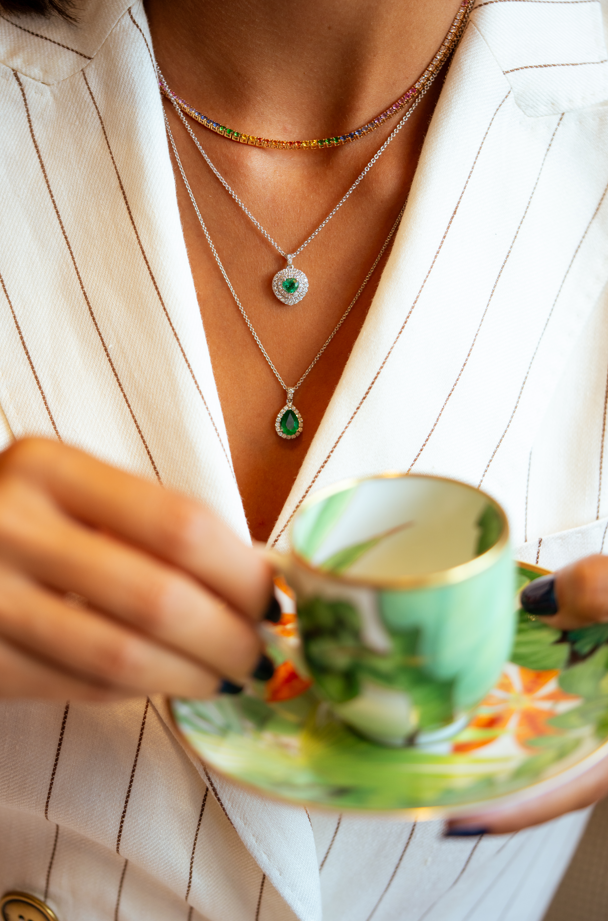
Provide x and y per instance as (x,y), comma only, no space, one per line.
(361,176)
(288,390)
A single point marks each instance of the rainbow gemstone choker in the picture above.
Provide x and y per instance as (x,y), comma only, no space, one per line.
(446,49)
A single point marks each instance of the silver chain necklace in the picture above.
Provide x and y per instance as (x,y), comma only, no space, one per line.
(290,285)
(289,423)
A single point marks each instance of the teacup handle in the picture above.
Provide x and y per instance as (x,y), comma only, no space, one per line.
(285,648)
(281,562)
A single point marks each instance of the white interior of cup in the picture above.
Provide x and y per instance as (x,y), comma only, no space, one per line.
(391,528)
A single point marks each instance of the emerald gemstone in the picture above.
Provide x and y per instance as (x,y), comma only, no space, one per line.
(289,423)
(290,285)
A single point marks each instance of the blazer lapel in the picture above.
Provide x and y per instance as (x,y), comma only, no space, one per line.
(134,383)
(500,257)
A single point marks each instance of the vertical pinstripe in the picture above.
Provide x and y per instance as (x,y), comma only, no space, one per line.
(604,538)
(49,870)
(132,777)
(332,842)
(260,896)
(217,796)
(149,267)
(29,359)
(487,307)
(540,543)
(119,893)
(401,330)
(194,843)
(126,806)
(463,870)
(79,277)
(490,887)
(394,873)
(544,330)
(531,864)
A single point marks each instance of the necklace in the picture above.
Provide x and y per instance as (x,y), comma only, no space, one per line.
(289,423)
(436,64)
(290,285)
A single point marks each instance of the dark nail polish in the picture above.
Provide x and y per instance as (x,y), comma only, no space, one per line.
(227,687)
(273,614)
(464,832)
(264,670)
(538,597)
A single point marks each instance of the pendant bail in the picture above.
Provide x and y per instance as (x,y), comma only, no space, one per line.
(290,392)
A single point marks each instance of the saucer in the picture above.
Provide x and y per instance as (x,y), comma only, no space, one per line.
(544,723)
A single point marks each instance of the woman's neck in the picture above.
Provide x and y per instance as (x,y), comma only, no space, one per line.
(282,68)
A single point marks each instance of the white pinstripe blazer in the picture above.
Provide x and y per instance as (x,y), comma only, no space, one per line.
(483,357)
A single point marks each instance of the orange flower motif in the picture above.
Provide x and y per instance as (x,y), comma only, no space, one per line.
(521,703)
(287,600)
(285,684)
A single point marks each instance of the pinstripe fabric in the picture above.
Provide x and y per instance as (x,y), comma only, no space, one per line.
(484,341)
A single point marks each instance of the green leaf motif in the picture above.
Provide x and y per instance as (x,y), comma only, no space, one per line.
(587,714)
(535,646)
(583,680)
(588,638)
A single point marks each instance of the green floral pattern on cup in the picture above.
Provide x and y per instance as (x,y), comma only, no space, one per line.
(300,751)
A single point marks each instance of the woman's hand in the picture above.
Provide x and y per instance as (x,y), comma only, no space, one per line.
(574,597)
(172,595)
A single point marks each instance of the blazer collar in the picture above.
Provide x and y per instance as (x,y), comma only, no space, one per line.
(553,54)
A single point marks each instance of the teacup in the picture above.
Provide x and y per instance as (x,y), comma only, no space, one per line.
(405,601)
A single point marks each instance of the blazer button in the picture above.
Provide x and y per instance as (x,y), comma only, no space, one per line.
(20,906)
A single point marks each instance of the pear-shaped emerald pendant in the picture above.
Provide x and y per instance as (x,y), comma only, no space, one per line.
(290,285)
(289,422)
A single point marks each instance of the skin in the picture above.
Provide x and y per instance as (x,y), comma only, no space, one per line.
(163,612)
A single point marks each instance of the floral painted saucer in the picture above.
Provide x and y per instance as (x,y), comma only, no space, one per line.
(544,723)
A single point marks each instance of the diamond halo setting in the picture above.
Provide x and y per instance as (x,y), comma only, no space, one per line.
(290,285)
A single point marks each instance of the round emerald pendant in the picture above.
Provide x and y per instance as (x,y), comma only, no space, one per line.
(290,285)
(289,422)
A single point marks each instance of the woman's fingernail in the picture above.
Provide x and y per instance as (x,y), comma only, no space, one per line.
(227,687)
(273,614)
(264,670)
(538,597)
(464,832)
